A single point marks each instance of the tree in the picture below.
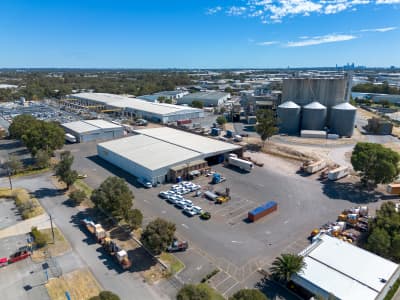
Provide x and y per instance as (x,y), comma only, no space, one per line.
(248,294)
(77,196)
(161,99)
(379,242)
(39,237)
(168,101)
(395,247)
(221,120)
(285,266)
(20,125)
(266,124)
(14,164)
(134,218)
(105,295)
(47,136)
(198,292)
(64,171)
(42,159)
(375,163)
(197,104)
(158,235)
(113,196)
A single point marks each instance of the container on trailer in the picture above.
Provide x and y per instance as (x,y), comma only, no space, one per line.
(210,195)
(229,134)
(338,173)
(262,211)
(315,167)
(215,131)
(393,188)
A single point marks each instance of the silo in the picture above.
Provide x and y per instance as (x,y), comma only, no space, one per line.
(342,119)
(289,117)
(314,116)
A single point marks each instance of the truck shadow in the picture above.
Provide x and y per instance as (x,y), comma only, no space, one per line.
(350,192)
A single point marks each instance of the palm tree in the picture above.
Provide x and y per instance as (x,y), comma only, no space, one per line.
(286,265)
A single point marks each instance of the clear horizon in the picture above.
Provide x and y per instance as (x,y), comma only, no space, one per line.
(201,34)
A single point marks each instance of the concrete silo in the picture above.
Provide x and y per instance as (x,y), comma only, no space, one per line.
(289,117)
(314,116)
(342,119)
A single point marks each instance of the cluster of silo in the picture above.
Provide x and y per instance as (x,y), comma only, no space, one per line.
(314,116)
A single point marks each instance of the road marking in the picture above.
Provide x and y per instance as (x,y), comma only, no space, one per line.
(268,232)
(199,268)
(287,221)
(184,225)
(237,282)
(163,212)
(259,184)
(237,242)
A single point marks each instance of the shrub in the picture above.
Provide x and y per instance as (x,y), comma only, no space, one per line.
(77,196)
(208,276)
(40,238)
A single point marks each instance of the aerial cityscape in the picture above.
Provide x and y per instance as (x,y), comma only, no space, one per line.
(200,150)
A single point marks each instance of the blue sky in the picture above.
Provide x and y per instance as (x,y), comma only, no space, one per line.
(199,33)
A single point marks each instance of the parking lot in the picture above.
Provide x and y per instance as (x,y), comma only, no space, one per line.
(227,240)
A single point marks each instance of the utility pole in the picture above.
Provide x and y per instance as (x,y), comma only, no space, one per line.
(9,177)
(52,229)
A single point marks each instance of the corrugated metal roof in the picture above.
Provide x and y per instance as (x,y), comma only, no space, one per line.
(149,152)
(344,106)
(80,127)
(289,104)
(314,105)
(103,124)
(349,272)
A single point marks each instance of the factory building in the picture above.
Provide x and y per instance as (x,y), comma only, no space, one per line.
(93,130)
(338,268)
(171,95)
(132,107)
(159,154)
(213,99)
(324,106)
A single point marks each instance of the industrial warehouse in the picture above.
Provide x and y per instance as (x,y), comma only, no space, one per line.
(317,105)
(132,107)
(162,154)
(349,272)
(92,130)
(213,99)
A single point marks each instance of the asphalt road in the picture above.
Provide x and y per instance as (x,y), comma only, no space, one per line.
(127,285)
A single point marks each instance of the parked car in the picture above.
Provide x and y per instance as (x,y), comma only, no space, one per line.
(172,199)
(180,204)
(189,212)
(163,195)
(188,202)
(147,184)
(197,209)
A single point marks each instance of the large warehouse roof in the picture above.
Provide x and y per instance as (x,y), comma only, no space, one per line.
(349,272)
(203,145)
(102,124)
(149,152)
(134,103)
(211,95)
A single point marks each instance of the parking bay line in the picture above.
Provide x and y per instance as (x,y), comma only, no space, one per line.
(184,225)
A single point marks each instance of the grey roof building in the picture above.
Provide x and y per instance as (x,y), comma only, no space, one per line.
(207,98)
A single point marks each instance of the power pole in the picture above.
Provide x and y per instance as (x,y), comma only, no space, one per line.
(9,177)
(52,229)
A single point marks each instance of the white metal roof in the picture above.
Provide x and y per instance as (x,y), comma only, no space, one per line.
(345,270)
(80,126)
(314,105)
(204,145)
(103,124)
(344,106)
(149,152)
(289,104)
(135,104)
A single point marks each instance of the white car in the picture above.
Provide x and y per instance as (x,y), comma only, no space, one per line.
(197,209)
(186,191)
(163,195)
(189,212)
(180,204)
(172,199)
(188,202)
(147,184)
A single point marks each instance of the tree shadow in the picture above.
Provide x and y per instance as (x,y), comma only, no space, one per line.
(109,261)
(141,260)
(115,170)
(46,192)
(119,234)
(273,291)
(10,144)
(349,191)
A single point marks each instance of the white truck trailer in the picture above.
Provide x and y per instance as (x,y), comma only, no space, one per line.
(240,163)
(70,138)
(314,167)
(338,173)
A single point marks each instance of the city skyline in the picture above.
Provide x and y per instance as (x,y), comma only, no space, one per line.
(199,34)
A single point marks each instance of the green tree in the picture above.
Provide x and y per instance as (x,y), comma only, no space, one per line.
(286,265)
(20,125)
(385,103)
(158,235)
(42,159)
(248,294)
(168,101)
(395,247)
(38,237)
(266,124)
(197,104)
(113,196)
(198,292)
(379,242)
(134,218)
(41,135)
(77,196)
(221,120)
(161,99)
(106,295)
(375,163)
(64,171)
(14,164)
